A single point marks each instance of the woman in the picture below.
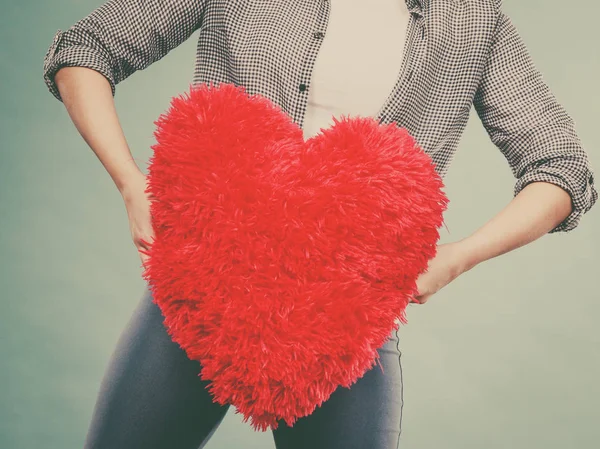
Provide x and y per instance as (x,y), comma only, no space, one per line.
(419,63)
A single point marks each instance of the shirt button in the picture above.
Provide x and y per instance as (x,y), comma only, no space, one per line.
(302,87)
(318,35)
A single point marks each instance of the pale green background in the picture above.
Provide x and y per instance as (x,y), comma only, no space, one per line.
(506,356)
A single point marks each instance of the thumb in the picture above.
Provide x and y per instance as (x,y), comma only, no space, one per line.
(422,299)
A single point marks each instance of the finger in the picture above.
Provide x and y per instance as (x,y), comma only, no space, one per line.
(415,295)
(423,299)
(145,243)
(143,251)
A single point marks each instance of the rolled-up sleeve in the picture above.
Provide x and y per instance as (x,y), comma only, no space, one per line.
(122,36)
(532,130)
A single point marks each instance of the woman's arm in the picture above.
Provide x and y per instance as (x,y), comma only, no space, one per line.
(538,208)
(83,65)
(555,182)
(87,97)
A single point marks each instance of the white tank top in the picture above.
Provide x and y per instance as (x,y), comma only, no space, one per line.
(358,62)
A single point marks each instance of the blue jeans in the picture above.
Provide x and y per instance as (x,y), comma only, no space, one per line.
(152,398)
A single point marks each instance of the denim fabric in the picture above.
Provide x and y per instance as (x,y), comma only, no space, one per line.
(152,398)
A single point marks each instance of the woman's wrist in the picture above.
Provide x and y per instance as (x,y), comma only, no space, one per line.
(129,180)
(467,254)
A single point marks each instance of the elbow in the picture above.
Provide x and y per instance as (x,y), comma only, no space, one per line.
(71,48)
(574,175)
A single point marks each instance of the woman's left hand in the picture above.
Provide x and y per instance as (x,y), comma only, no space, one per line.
(449,263)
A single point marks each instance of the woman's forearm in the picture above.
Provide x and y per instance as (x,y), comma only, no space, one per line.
(88,99)
(536,210)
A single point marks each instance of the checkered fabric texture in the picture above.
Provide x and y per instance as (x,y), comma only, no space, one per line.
(456,55)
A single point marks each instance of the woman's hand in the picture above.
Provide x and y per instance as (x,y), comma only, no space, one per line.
(449,262)
(137,203)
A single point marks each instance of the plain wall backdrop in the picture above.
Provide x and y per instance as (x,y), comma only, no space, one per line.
(506,356)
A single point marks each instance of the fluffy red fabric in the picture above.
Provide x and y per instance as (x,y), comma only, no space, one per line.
(282,265)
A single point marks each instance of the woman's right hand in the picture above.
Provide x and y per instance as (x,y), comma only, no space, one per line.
(137,203)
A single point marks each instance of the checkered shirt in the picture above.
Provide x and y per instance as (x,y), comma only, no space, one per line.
(456,54)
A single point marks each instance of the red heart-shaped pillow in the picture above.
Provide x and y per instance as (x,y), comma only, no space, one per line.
(283,265)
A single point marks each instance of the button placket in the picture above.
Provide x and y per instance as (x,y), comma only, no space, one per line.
(409,60)
(311,55)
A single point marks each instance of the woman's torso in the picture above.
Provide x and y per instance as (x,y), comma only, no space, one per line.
(271,48)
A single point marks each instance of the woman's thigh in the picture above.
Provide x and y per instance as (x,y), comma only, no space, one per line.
(366,415)
(151,396)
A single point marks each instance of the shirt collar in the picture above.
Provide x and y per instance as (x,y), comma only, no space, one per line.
(415,6)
